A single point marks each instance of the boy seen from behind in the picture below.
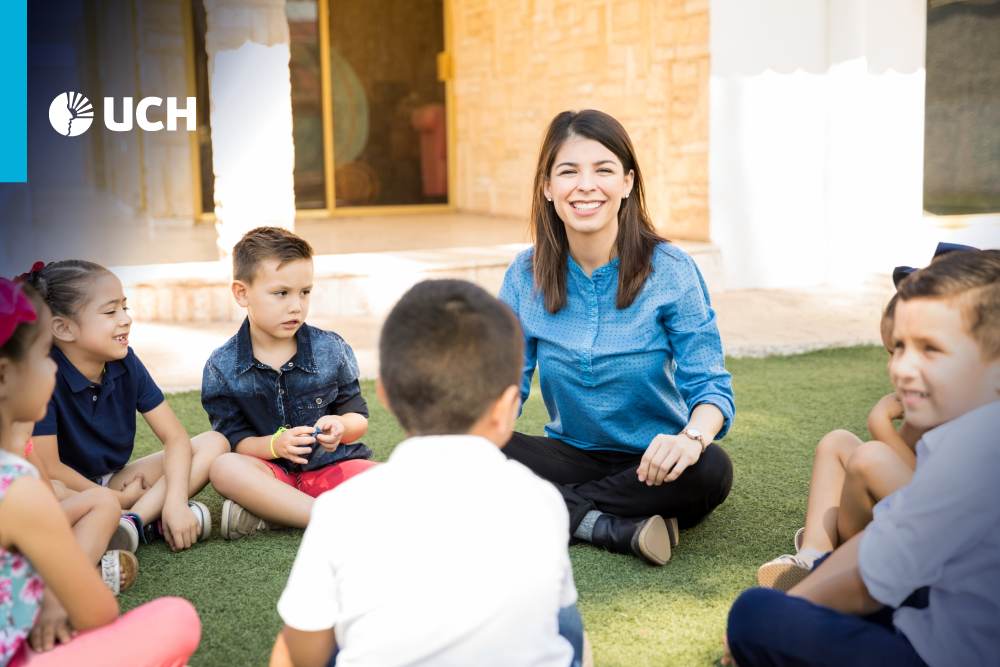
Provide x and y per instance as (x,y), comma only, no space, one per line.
(448,554)
(286,395)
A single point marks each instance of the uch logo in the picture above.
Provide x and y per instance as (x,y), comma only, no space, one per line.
(72,113)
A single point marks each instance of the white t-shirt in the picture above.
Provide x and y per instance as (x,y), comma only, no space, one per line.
(449,554)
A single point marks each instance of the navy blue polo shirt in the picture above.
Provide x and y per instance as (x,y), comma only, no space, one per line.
(94,424)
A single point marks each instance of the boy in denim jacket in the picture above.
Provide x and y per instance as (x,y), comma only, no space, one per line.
(285,394)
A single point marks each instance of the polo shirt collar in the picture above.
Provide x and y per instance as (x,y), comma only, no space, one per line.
(302,359)
(76,380)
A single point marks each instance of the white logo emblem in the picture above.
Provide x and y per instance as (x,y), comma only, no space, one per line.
(71,114)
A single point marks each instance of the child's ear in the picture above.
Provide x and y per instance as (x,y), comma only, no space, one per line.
(63,329)
(240,292)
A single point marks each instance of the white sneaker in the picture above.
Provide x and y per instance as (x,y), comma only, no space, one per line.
(125,537)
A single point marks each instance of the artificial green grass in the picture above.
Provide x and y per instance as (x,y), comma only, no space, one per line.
(634,614)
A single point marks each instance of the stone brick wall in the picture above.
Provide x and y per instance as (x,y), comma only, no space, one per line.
(519,62)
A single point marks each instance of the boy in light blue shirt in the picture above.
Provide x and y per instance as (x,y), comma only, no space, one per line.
(921,584)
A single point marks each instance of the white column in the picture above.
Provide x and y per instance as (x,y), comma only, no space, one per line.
(251,116)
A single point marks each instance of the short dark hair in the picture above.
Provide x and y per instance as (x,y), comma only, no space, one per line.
(263,243)
(973,278)
(447,351)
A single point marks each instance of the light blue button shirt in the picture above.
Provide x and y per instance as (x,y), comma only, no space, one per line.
(942,531)
(613,379)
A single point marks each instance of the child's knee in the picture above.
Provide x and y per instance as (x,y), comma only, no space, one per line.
(869,460)
(837,444)
(224,469)
(212,443)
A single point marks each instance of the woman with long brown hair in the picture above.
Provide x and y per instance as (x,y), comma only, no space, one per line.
(619,323)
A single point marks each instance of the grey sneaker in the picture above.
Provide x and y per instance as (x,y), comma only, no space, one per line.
(237,522)
(799,534)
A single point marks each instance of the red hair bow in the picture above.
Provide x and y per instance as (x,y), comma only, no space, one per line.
(35,268)
(15,308)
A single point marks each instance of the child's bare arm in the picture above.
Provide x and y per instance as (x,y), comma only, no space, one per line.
(838,584)
(47,451)
(882,428)
(306,649)
(292,444)
(181,528)
(32,522)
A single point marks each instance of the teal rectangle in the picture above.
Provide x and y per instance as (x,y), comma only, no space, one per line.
(14,91)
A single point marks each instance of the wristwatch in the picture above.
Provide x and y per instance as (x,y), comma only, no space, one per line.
(695,434)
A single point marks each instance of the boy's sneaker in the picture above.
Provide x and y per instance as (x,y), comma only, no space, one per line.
(237,522)
(151,532)
(119,570)
(783,572)
(126,536)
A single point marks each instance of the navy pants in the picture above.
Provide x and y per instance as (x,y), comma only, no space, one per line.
(769,627)
(570,627)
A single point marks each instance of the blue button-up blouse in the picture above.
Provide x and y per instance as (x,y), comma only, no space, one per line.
(613,379)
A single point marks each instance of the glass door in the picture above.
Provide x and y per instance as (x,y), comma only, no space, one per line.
(390,140)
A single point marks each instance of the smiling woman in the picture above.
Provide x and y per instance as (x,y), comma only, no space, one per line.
(619,323)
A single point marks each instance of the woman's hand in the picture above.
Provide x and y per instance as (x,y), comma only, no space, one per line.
(52,625)
(666,457)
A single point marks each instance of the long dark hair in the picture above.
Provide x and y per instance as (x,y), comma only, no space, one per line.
(636,236)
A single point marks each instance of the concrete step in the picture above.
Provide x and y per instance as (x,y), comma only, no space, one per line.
(351,285)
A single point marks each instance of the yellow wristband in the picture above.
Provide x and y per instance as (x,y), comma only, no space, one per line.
(281,429)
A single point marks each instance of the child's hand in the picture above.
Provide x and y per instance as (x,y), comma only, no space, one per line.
(727,657)
(131,491)
(52,625)
(888,407)
(180,527)
(294,444)
(331,430)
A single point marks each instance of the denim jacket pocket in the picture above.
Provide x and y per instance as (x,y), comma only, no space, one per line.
(314,403)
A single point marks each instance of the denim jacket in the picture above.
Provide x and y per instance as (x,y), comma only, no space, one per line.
(245,398)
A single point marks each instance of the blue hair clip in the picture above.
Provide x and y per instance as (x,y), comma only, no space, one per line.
(900,272)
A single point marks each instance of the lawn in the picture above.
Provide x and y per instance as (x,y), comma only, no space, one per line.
(634,614)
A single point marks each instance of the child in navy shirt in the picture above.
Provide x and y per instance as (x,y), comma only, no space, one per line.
(88,433)
(284,394)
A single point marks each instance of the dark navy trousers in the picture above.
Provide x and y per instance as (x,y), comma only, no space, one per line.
(769,627)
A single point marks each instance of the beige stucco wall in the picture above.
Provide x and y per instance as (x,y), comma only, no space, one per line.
(519,62)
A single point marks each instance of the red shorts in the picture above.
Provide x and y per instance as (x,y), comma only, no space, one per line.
(315,482)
